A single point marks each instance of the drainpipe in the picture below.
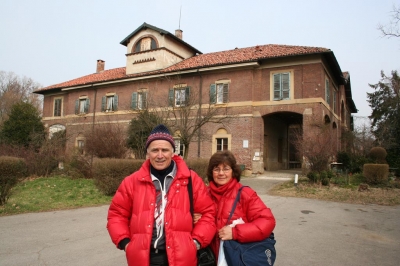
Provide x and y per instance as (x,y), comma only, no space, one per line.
(199,113)
(93,121)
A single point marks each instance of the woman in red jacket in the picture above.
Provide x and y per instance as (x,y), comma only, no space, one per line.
(224,175)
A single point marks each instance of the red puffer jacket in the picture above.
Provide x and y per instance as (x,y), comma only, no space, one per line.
(258,218)
(131,215)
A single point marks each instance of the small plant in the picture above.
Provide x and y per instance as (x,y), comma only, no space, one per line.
(325,181)
(313,176)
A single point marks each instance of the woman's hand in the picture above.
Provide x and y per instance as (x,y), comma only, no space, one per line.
(225,233)
(196,217)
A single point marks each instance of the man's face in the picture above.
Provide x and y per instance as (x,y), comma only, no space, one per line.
(160,153)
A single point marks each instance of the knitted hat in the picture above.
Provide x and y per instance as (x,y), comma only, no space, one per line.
(160,132)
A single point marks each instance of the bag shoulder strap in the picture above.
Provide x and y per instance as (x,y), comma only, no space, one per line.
(190,192)
(237,199)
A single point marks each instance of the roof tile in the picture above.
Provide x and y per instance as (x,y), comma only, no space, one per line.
(235,56)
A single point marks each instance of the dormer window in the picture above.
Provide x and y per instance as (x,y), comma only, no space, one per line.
(145,44)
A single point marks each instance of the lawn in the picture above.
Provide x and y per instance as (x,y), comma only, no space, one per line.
(339,192)
(52,193)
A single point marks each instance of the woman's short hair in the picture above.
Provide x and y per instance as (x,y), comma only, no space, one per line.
(224,157)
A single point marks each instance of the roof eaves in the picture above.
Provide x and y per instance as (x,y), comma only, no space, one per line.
(141,27)
(161,31)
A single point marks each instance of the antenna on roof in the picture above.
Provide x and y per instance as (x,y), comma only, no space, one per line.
(180,11)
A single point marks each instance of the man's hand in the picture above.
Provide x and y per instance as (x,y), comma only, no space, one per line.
(126,247)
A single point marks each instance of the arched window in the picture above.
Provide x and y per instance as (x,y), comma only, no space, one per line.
(327,119)
(145,44)
(221,140)
(54,129)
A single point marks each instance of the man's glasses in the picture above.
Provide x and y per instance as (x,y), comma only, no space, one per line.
(225,170)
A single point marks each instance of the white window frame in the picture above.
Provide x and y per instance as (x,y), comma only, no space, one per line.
(180,97)
(222,144)
(221,136)
(139,100)
(222,93)
(290,90)
(110,103)
(82,104)
(179,148)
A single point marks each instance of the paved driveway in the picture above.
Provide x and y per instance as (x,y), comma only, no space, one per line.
(308,232)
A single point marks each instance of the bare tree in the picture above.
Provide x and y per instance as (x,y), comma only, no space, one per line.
(106,141)
(140,128)
(363,139)
(393,28)
(185,114)
(15,89)
(315,145)
(192,115)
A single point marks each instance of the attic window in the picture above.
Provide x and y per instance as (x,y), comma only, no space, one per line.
(145,44)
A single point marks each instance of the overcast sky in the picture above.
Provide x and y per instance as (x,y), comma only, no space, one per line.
(52,41)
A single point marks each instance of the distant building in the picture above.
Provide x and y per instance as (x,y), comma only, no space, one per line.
(269,89)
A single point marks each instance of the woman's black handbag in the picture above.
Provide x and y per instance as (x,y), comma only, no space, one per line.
(250,253)
(205,256)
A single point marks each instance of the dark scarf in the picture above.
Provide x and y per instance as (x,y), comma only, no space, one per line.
(218,192)
(161,174)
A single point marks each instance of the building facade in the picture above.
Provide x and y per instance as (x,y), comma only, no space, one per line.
(266,90)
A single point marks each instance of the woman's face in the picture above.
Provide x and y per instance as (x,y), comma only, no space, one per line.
(222,174)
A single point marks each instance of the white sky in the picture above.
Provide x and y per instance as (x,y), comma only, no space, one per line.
(52,41)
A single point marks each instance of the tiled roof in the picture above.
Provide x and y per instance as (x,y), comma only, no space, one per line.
(235,56)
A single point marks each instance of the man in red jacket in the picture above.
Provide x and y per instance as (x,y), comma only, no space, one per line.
(149,216)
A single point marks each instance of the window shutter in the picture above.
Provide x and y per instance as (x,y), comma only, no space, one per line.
(144,98)
(115,107)
(213,94)
(187,95)
(171,97)
(327,91)
(134,101)
(153,44)
(77,106)
(285,85)
(137,48)
(87,104)
(103,103)
(225,97)
(277,87)
(57,107)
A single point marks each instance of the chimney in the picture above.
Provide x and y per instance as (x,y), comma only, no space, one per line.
(178,33)
(100,66)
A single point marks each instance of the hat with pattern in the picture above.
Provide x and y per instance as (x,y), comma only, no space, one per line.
(160,132)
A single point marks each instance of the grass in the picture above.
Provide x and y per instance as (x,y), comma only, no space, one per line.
(52,193)
(339,190)
(60,193)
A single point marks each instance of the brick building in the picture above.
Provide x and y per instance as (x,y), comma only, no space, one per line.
(267,90)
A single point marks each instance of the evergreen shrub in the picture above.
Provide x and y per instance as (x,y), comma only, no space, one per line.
(378,154)
(12,170)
